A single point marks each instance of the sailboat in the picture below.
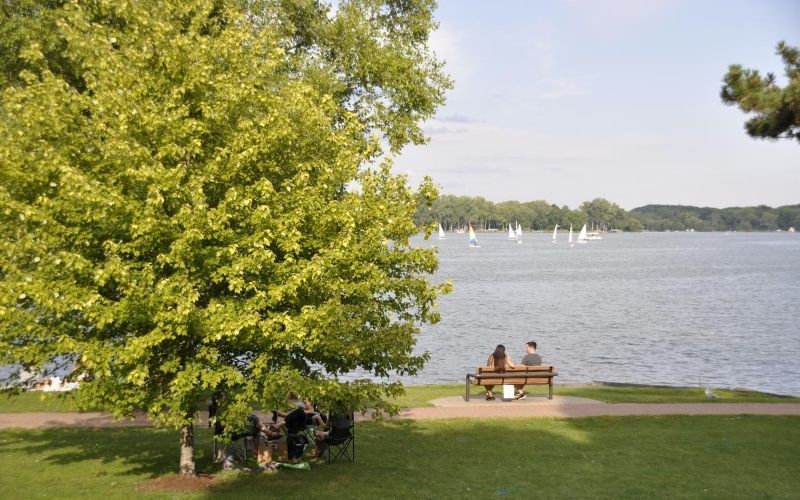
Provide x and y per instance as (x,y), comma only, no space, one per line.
(570,236)
(519,233)
(555,234)
(473,240)
(441,232)
(511,234)
(582,235)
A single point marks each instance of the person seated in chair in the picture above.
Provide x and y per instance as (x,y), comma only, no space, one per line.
(296,440)
(313,417)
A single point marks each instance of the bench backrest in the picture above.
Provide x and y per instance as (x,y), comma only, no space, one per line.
(517,370)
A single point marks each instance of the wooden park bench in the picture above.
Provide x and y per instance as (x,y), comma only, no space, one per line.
(519,375)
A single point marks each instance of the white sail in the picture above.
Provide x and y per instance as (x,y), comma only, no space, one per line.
(441,232)
(570,236)
(511,235)
(555,233)
(519,233)
(582,235)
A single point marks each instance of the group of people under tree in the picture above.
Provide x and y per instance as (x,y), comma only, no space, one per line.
(289,424)
(500,361)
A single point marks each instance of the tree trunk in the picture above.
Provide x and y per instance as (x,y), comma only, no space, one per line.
(187,450)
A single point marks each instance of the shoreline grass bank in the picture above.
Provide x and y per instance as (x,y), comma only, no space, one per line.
(422,395)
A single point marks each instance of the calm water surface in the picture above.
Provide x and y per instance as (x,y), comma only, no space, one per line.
(652,308)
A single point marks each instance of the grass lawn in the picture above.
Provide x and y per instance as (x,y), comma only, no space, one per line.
(421,395)
(36,401)
(604,457)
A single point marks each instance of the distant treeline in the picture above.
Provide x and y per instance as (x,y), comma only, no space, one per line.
(680,218)
(456,211)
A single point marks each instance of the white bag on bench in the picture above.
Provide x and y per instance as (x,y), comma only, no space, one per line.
(508,391)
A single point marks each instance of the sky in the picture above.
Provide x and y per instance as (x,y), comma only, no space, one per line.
(571,100)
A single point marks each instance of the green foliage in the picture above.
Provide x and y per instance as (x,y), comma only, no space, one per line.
(680,218)
(776,109)
(194,198)
(457,211)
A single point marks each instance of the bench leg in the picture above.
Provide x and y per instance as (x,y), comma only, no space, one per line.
(550,389)
(466,390)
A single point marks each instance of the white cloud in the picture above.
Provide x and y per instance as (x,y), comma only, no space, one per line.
(613,17)
(445,44)
(556,88)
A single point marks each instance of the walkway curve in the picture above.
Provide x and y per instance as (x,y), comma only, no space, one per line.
(453,407)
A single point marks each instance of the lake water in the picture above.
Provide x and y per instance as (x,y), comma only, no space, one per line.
(650,308)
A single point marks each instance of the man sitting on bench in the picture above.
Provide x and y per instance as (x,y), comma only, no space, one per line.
(530,359)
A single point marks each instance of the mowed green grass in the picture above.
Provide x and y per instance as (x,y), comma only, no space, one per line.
(36,401)
(421,395)
(604,457)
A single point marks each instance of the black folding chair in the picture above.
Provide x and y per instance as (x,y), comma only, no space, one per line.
(340,443)
(239,441)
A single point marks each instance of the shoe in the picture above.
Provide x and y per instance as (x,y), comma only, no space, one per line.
(519,396)
(489,397)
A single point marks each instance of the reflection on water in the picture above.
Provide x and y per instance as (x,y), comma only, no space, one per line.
(655,308)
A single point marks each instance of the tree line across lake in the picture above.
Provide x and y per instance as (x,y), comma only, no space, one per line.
(456,211)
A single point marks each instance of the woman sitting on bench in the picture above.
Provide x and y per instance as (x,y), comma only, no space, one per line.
(500,361)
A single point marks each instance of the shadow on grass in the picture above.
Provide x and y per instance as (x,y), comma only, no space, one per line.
(138,451)
(604,457)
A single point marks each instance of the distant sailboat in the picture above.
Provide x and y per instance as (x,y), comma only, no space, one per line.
(519,233)
(555,234)
(593,234)
(511,234)
(582,235)
(570,236)
(441,232)
(473,240)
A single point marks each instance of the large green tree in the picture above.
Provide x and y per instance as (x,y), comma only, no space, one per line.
(195,197)
(776,110)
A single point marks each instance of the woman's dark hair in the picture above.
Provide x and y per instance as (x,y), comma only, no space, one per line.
(499,356)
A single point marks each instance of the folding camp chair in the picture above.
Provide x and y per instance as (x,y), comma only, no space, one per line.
(340,443)
(240,441)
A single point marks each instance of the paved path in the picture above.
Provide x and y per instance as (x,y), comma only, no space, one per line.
(454,407)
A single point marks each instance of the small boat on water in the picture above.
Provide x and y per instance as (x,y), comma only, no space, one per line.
(441,232)
(570,237)
(519,233)
(593,234)
(473,240)
(511,234)
(555,234)
(582,235)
